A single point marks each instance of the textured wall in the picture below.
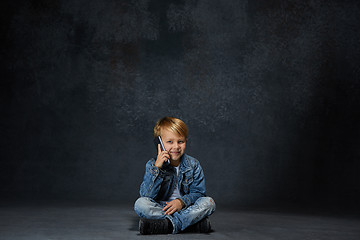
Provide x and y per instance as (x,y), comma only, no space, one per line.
(269,89)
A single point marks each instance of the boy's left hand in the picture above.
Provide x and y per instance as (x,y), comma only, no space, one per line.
(173,206)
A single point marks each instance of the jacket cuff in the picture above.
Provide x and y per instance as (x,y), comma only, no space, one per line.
(155,170)
(186,201)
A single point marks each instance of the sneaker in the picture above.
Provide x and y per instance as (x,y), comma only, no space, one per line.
(202,226)
(155,226)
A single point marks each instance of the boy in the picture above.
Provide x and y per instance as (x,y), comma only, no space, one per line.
(173,190)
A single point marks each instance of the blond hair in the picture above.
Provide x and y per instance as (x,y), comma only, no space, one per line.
(173,124)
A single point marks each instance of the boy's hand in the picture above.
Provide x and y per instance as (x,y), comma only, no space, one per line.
(173,206)
(162,157)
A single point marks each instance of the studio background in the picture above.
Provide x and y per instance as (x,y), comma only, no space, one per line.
(269,90)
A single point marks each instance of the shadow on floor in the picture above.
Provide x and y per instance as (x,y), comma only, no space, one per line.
(134,223)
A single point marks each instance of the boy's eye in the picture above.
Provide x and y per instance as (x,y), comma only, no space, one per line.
(169,141)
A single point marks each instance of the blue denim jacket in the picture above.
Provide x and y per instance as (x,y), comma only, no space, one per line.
(159,184)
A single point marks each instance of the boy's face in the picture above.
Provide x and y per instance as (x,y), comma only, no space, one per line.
(175,144)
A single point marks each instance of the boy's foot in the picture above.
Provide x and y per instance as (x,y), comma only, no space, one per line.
(155,226)
(202,226)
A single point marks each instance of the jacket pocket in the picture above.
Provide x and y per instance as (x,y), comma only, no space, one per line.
(186,184)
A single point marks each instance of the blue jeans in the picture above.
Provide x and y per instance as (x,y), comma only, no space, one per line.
(148,208)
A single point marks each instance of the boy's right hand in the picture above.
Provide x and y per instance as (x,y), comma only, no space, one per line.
(162,157)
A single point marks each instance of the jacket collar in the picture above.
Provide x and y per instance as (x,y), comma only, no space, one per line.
(184,164)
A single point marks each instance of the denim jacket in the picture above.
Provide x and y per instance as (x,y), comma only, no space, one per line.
(159,184)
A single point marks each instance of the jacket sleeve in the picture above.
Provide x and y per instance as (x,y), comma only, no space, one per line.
(152,180)
(196,188)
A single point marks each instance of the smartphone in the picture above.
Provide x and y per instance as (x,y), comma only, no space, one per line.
(158,141)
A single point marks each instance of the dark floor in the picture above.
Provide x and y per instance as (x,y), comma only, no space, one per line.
(96,221)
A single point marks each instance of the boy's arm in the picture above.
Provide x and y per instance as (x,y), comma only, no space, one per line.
(152,180)
(196,188)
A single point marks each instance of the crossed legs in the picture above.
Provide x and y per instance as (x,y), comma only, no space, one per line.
(150,209)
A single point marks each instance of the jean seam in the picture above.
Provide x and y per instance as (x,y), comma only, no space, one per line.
(175,230)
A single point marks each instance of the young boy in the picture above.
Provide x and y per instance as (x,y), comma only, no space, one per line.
(173,190)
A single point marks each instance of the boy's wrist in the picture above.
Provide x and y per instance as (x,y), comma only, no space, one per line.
(182,202)
(157,170)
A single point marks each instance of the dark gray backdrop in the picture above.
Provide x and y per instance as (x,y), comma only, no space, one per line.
(269,89)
